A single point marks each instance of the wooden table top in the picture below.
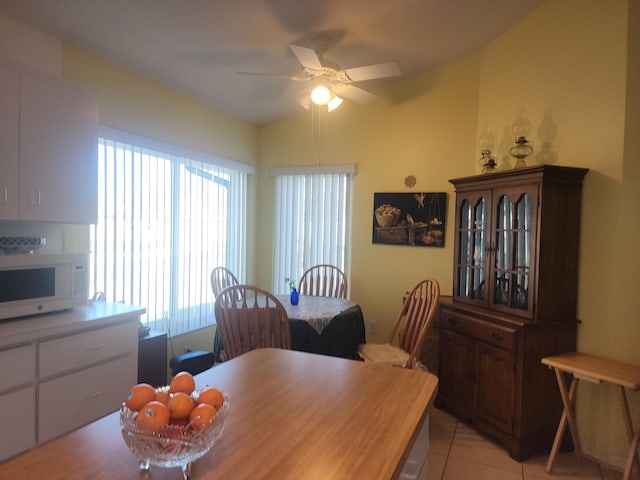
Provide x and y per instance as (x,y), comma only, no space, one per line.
(292,415)
(596,369)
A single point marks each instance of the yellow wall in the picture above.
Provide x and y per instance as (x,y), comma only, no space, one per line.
(423,126)
(570,57)
(573,57)
(573,60)
(130,102)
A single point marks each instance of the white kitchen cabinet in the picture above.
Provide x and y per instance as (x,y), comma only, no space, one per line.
(9,144)
(73,400)
(18,418)
(67,369)
(17,400)
(50,171)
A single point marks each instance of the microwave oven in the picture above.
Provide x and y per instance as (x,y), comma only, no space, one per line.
(41,283)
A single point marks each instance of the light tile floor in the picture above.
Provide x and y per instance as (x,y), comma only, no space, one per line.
(458,452)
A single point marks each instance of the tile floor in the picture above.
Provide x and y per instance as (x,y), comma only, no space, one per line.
(458,452)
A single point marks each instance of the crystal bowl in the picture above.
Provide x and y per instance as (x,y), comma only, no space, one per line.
(170,445)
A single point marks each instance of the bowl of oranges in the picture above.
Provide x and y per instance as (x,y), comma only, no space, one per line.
(174,425)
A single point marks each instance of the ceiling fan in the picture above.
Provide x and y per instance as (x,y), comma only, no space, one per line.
(329,82)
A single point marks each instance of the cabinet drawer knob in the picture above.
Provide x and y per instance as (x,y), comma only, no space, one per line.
(95,347)
(498,336)
(91,396)
(452,321)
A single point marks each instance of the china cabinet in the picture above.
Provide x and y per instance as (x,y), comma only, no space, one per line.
(514,302)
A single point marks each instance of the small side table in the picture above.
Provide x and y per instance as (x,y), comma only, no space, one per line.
(152,359)
(596,370)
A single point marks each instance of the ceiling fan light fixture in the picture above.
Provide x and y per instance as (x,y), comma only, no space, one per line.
(321,95)
(334,103)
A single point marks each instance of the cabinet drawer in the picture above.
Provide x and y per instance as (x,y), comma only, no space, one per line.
(77,351)
(487,332)
(18,366)
(74,400)
(18,420)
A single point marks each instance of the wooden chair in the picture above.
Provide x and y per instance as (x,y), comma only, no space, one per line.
(407,336)
(222,278)
(200,360)
(248,318)
(323,281)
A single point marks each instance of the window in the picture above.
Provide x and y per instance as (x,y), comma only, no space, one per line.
(312,220)
(166,217)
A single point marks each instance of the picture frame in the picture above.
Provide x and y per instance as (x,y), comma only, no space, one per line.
(411,219)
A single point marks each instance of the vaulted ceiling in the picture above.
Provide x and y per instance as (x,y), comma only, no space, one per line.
(198,47)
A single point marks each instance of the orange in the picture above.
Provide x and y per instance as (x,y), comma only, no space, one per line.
(180,406)
(202,415)
(139,395)
(162,396)
(182,382)
(212,396)
(153,413)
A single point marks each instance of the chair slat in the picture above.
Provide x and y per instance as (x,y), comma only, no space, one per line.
(323,280)
(248,318)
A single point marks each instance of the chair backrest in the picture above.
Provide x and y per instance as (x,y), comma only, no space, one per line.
(222,278)
(323,281)
(415,318)
(248,318)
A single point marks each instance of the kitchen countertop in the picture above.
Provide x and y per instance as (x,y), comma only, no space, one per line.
(21,330)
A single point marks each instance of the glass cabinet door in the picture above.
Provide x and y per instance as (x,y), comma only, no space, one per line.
(470,282)
(512,249)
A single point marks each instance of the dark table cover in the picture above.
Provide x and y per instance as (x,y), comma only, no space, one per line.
(340,338)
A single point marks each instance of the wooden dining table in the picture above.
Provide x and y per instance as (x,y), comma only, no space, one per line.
(292,415)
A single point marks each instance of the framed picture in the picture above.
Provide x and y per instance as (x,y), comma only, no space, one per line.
(415,219)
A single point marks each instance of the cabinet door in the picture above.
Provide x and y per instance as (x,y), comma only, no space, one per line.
(494,386)
(471,247)
(513,239)
(9,125)
(455,368)
(58,151)
(18,420)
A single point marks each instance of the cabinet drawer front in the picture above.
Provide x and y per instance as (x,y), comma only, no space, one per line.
(78,351)
(22,363)
(74,400)
(18,420)
(487,332)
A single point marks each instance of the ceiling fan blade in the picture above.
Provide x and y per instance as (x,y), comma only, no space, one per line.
(353,93)
(307,57)
(370,72)
(276,75)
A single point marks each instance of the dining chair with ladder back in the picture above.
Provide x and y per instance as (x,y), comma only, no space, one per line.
(198,361)
(248,318)
(405,341)
(222,278)
(323,280)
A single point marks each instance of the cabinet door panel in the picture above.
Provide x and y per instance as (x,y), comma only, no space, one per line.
(18,420)
(513,237)
(77,351)
(455,368)
(471,246)
(58,151)
(74,400)
(9,124)
(494,386)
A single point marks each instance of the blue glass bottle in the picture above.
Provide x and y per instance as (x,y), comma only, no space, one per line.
(294,297)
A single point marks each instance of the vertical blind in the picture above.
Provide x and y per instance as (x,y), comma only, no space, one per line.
(165,220)
(312,221)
